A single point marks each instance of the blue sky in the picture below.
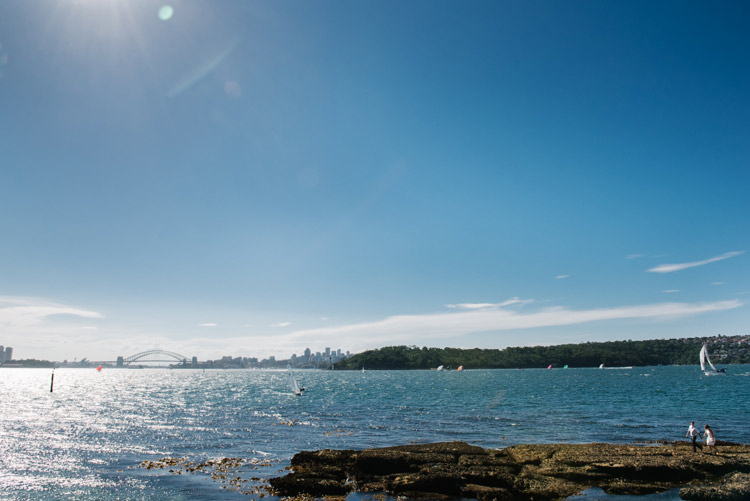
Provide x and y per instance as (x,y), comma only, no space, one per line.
(252,178)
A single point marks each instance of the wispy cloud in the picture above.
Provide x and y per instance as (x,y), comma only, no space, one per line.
(433,327)
(669,268)
(560,277)
(18,311)
(634,256)
(488,306)
(718,283)
(209,324)
(671,291)
(281,324)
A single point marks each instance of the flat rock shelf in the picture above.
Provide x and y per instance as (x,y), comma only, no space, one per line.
(451,470)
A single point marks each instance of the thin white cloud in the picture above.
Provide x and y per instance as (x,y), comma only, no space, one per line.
(209,324)
(488,306)
(17,311)
(560,277)
(634,256)
(432,327)
(281,324)
(671,291)
(718,283)
(669,268)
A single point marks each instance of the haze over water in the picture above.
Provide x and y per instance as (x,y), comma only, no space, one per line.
(85,440)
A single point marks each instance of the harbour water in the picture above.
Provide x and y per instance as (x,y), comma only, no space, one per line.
(86,439)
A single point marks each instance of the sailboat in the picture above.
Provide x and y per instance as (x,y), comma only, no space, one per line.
(706,360)
(293,382)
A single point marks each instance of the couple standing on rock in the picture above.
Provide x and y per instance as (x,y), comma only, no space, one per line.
(708,435)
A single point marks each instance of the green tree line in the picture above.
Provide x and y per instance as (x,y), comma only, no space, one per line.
(611,354)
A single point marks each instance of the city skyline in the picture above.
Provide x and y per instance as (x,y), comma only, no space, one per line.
(257,177)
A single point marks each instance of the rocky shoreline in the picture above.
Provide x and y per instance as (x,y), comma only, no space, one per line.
(451,470)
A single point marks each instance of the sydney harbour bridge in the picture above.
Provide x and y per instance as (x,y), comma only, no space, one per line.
(155,356)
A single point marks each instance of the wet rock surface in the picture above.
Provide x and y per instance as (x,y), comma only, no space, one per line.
(230,473)
(450,470)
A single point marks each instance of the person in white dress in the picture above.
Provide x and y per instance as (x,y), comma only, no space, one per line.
(708,434)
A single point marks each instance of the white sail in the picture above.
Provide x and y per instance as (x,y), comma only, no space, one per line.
(706,360)
(293,382)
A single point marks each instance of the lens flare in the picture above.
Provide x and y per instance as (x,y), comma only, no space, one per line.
(166,12)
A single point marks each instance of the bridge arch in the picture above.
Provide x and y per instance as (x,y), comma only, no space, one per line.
(156,356)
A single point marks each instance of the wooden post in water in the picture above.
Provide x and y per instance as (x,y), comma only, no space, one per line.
(52,381)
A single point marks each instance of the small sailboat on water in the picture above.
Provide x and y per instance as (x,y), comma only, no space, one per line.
(704,359)
(296,389)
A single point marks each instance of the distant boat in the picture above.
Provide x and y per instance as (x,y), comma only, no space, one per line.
(601,366)
(99,368)
(460,368)
(549,366)
(440,367)
(565,366)
(293,382)
(706,360)
(363,369)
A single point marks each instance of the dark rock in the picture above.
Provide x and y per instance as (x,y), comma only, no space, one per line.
(733,487)
(542,472)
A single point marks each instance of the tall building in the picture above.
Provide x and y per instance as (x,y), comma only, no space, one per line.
(2,354)
(8,354)
(307,354)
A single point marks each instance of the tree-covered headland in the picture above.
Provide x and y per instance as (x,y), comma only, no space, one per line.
(723,350)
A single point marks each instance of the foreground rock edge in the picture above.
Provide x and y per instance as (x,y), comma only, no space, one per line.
(450,470)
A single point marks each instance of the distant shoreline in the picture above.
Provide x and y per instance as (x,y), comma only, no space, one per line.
(724,350)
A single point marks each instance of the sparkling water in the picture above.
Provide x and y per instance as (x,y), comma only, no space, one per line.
(86,439)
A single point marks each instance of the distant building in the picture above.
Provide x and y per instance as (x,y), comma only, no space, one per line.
(2,354)
(8,354)
(307,354)
(120,361)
